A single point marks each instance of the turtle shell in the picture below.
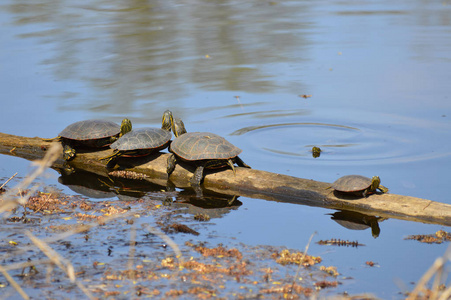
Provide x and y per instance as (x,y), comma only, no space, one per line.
(90,130)
(352,183)
(142,138)
(203,145)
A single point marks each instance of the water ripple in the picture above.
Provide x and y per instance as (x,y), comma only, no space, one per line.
(369,144)
(252,128)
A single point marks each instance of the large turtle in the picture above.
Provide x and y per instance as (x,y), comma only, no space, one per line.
(202,149)
(140,142)
(90,134)
(358,185)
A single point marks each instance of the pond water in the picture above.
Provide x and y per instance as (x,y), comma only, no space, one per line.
(378,74)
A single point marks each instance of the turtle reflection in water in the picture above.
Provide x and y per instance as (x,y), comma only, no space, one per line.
(358,185)
(141,142)
(90,134)
(203,149)
(358,221)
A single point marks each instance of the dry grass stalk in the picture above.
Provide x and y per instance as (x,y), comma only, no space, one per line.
(302,259)
(10,201)
(57,259)
(437,270)
(60,261)
(53,256)
(131,251)
(65,235)
(27,264)
(15,285)
(167,240)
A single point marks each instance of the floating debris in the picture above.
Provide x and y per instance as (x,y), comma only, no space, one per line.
(202,217)
(219,251)
(330,270)
(176,227)
(289,290)
(285,257)
(338,242)
(47,203)
(212,272)
(370,263)
(325,284)
(128,175)
(437,238)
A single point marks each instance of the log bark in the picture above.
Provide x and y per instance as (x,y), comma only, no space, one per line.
(247,183)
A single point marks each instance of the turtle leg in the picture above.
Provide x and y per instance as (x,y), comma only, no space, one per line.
(171,162)
(230,163)
(241,163)
(111,163)
(112,158)
(383,189)
(367,192)
(198,176)
(230,202)
(109,157)
(68,152)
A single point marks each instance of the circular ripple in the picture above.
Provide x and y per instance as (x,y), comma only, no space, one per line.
(341,143)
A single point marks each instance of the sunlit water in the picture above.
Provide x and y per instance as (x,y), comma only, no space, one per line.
(378,75)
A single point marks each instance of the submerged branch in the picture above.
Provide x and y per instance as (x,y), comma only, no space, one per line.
(247,182)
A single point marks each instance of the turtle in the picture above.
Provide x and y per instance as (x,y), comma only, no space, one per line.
(204,150)
(316,151)
(141,142)
(90,134)
(358,185)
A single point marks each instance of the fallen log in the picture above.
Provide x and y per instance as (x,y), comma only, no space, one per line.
(247,183)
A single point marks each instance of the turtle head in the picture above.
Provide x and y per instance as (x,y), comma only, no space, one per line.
(316,151)
(167,120)
(375,181)
(178,127)
(126,126)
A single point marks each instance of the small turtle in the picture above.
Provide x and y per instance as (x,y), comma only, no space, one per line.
(316,151)
(202,149)
(358,185)
(90,134)
(141,142)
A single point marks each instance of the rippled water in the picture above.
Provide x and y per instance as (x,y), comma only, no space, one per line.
(377,72)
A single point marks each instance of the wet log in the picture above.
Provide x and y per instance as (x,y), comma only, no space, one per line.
(247,183)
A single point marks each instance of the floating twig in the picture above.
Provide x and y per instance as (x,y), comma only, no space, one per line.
(436,238)
(338,242)
(8,180)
